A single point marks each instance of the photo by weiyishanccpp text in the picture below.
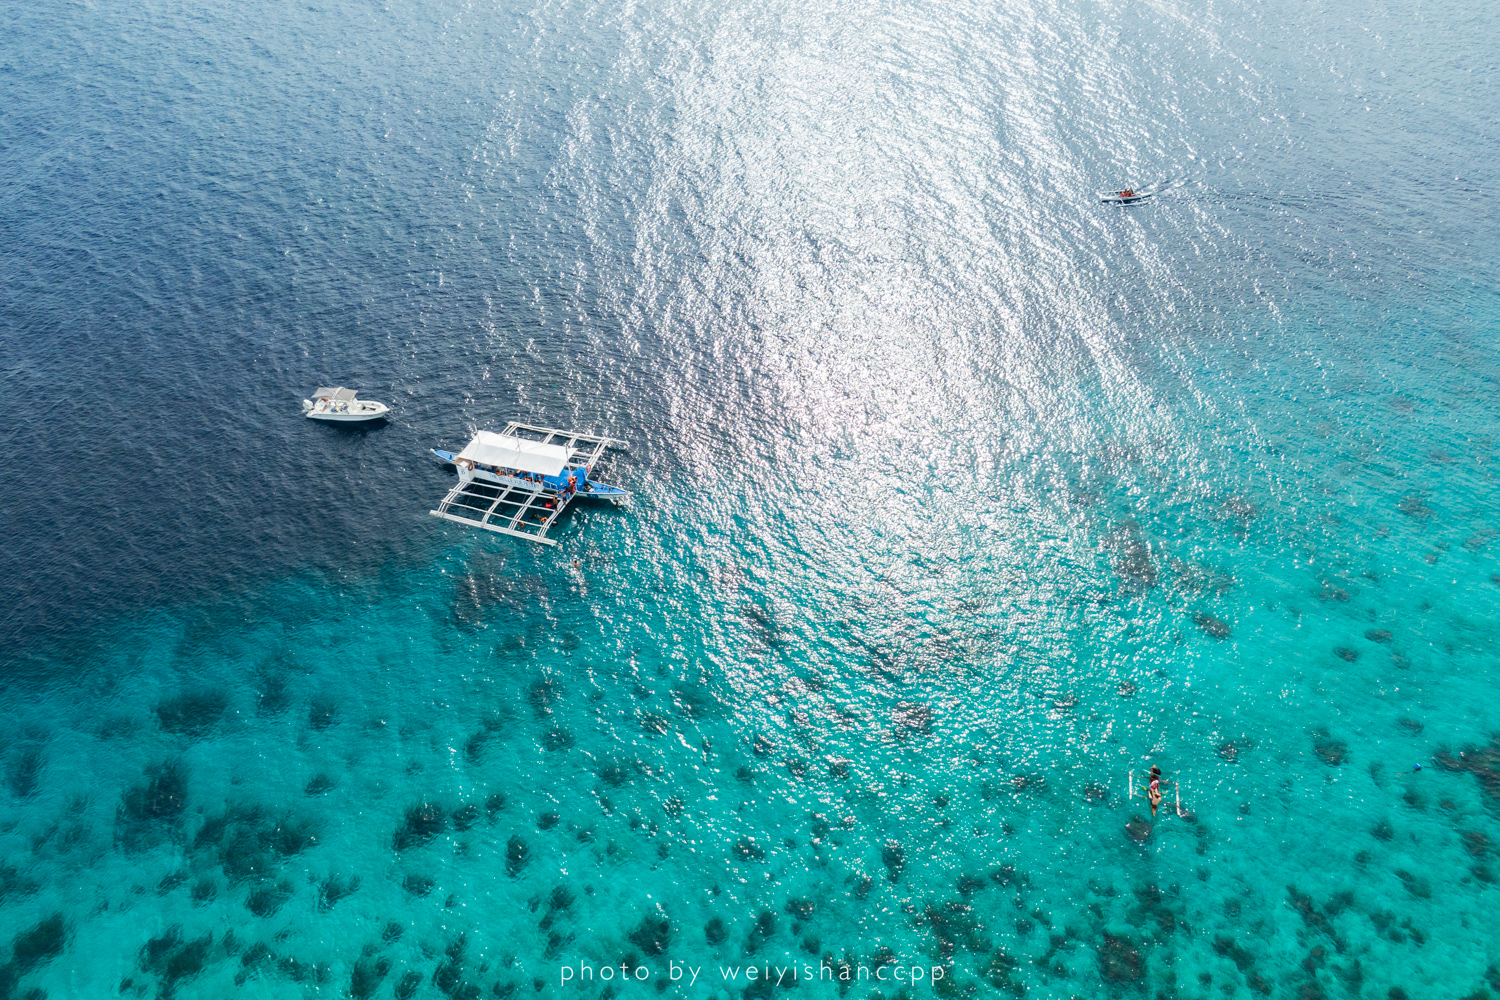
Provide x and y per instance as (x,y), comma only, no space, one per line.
(781,975)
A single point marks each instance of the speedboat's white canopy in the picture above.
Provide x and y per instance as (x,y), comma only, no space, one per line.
(337,393)
(502,451)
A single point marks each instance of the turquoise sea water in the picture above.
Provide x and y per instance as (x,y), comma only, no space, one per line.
(958,497)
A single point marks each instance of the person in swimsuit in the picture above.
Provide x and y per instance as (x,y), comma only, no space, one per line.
(1154,791)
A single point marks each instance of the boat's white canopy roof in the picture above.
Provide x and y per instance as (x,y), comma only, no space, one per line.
(337,393)
(489,448)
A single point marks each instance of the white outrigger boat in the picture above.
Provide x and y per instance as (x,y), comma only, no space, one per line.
(517,482)
(339,406)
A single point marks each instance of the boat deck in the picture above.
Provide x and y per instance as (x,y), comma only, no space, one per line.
(526,510)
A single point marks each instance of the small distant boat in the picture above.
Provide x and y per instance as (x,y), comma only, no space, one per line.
(340,406)
(1127,197)
(517,482)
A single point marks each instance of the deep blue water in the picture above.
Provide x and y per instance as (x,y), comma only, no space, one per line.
(958,497)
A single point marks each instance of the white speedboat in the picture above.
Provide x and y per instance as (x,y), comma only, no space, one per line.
(340,406)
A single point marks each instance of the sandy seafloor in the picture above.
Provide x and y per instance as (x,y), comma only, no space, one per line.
(958,497)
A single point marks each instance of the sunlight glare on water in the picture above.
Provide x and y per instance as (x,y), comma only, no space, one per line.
(959,496)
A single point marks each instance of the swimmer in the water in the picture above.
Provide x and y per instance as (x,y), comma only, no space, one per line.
(1154,791)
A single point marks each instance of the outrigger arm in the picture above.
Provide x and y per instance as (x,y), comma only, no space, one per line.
(519,504)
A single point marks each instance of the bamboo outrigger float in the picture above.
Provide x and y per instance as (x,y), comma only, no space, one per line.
(519,481)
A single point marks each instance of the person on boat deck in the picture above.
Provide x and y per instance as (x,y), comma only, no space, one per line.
(1127,193)
(1154,792)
